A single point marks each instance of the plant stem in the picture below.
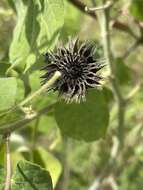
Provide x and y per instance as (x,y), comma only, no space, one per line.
(104,22)
(115,23)
(8,163)
(19,124)
(132,48)
(93,9)
(42,89)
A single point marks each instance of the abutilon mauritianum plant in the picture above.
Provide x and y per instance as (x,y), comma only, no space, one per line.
(78,64)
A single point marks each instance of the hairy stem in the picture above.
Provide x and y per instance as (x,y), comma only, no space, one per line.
(8,163)
(19,124)
(104,22)
(42,89)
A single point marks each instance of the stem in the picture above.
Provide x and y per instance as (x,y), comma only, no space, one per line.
(116,24)
(19,124)
(8,163)
(93,9)
(133,92)
(132,48)
(104,22)
(42,89)
(108,167)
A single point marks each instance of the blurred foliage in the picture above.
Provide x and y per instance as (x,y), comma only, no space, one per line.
(55,147)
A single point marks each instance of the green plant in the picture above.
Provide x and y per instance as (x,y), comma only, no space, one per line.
(47,143)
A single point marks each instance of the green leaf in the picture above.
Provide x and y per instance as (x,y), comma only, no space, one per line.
(51,163)
(51,21)
(37,29)
(108,94)
(72,22)
(30,176)
(136,9)
(85,121)
(8,87)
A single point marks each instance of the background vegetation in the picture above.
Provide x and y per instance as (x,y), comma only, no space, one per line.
(88,146)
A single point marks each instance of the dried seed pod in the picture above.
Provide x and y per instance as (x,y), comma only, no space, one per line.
(78,65)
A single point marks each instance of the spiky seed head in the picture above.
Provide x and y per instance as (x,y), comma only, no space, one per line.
(78,64)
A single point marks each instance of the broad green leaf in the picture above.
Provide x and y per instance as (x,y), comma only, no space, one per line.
(8,87)
(85,121)
(10,116)
(72,21)
(37,28)
(30,176)
(51,163)
(108,94)
(136,9)
(51,19)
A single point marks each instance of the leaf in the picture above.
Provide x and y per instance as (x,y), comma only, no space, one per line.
(72,22)
(30,176)
(50,162)
(108,95)
(37,29)
(85,121)
(8,87)
(136,9)
(51,21)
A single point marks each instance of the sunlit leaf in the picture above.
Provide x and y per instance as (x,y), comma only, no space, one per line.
(8,87)
(37,29)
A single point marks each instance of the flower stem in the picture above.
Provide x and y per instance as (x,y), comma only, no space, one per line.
(42,89)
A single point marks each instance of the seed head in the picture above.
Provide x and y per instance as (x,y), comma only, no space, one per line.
(78,64)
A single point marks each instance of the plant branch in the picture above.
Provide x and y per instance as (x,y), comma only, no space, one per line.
(104,23)
(116,24)
(108,167)
(42,89)
(93,9)
(8,163)
(19,124)
(132,48)
(133,92)
(81,6)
